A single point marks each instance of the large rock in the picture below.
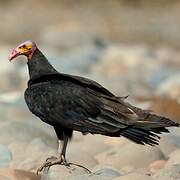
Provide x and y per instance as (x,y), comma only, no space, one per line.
(130,154)
(57,172)
(168,173)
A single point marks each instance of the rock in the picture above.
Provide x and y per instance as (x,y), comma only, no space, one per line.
(174,158)
(127,169)
(89,177)
(19,131)
(134,176)
(169,143)
(126,64)
(114,141)
(5,156)
(90,144)
(81,157)
(31,156)
(141,156)
(105,171)
(77,173)
(57,172)
(156,165)
(17,174)
(167,173)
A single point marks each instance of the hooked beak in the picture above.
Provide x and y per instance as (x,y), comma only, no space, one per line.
(13,54)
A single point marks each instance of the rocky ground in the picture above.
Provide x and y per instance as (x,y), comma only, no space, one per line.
(149,75)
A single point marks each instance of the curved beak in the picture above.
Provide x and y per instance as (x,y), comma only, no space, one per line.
(13,54)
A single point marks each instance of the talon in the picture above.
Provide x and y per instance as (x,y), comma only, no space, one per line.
(52,161)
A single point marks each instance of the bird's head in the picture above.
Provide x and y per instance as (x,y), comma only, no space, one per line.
(27,48)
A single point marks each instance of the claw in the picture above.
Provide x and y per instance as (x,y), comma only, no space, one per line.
(61,161)
(52,161)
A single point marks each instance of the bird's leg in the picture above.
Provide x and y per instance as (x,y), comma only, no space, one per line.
(61,160)
(62,149)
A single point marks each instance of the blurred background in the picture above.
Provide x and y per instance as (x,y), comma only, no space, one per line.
(129,46)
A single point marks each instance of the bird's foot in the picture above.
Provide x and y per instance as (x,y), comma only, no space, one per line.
(61,161)
(52,161)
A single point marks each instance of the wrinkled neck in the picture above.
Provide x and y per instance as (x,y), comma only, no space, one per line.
(39,65)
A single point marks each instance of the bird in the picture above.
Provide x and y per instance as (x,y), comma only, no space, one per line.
(72,103)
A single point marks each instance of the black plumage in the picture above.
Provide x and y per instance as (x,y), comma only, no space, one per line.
(74,103)
(70,103)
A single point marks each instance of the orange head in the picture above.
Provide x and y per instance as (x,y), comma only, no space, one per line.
(27,48)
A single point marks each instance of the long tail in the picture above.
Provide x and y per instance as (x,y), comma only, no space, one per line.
(140,126)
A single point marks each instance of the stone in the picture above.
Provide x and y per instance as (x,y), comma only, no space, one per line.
(57,172)
(5,156)
(77,173)
(174,158)
(134,176)
(17,174)
(98,173)
(81,157)
(115,141)
(89,177)
(156,165)
(167,173)
(169,143)
(130,154)
(90,144)
(31,156)
(20,131)
(105,171)
(128,169)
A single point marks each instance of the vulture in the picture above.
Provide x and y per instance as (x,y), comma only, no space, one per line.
(71,103)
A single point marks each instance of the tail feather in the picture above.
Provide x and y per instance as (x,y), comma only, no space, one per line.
(123,119)
(140,126)
(141,136)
